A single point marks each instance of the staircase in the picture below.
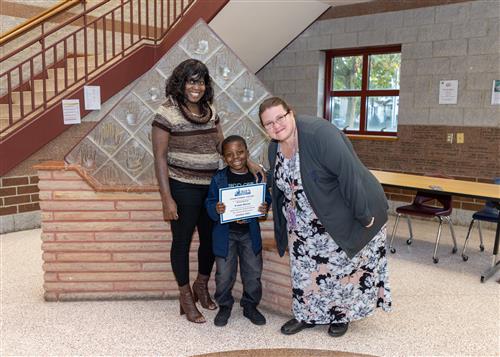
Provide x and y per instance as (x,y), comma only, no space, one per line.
(30,110)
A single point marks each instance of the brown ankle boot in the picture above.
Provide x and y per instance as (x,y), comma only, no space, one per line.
(200,292)
(188,306)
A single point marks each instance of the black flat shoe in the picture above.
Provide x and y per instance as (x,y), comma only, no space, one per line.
(293,326)
(338,329)
(222,316)
(254,315)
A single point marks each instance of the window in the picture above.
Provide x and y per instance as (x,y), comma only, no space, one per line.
(362,90)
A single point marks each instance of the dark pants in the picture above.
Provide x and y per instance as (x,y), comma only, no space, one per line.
(190,200)
(240,246)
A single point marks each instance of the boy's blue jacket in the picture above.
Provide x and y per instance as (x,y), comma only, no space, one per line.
(220,236)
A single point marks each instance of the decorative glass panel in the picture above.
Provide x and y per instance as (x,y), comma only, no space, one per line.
(118,151)
(347,72)
(382,114)
(109,135)
(345,112)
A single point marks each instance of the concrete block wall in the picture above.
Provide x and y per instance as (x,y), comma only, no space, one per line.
(456,41)
(459,41)
(115,245)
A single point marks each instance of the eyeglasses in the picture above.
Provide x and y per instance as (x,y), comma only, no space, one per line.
(279,120)
(194,82)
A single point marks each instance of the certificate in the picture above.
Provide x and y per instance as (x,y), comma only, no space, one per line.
(242,201)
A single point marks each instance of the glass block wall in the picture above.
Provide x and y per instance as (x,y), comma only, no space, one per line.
(117,152)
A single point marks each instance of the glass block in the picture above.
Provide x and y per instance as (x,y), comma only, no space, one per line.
(247,130)
(253,115)
(151,89)
(224,67)
(247,91)
(111,175)
(259,153)
(217,90)
(87,155)
(170,60)
(227,110)
(144,134)
(133,158)
(109,135)
(131,112)
(147,177)
(200,42)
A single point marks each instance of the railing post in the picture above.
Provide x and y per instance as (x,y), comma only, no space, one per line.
(85,51)
(44,82)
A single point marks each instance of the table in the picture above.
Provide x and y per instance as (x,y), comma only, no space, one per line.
(462,188)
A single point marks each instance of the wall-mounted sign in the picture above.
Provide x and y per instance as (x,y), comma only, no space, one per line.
(448,92)
(71,111)
(495,92)
(92,96)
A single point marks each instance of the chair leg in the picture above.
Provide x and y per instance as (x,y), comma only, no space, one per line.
(481,245)
(391,248)
(410,240)
(435,259)
(465,257)
(452,231)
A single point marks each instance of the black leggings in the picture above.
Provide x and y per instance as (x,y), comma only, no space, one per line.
(190,200)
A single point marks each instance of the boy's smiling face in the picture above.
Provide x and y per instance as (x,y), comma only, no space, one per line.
(236,155)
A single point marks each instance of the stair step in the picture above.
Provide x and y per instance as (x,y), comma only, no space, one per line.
(16,111)
(50,84)
(61,73)
(16,97)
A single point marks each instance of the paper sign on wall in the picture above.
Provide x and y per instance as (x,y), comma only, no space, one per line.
(71,111)
(448,92)
(92,97)
(495,92)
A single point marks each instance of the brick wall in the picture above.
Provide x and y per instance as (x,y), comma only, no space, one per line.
(18,194)
(115,245)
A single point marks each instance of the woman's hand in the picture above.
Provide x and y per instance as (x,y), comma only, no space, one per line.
(170,210)
(263,208)
(220,208)
(255,169)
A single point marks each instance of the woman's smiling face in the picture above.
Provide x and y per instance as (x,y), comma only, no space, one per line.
(279,123)
(194,89)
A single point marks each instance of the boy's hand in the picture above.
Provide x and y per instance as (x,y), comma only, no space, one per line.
(263,208)
(220,208)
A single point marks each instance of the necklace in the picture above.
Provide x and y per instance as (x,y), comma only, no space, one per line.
(193,114)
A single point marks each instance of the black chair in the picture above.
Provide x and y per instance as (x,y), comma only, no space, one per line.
(489,213)
(421,207)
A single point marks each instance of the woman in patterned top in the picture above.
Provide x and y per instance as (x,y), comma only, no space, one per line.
(331,213)
(186,135)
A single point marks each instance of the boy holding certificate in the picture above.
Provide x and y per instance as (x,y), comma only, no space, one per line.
(239,239)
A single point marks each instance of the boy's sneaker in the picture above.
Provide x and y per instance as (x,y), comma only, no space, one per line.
(251,313)
(222,316)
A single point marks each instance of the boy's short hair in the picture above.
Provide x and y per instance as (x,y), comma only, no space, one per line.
(231,139)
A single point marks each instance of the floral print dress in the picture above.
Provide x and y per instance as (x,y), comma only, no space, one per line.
(327,286)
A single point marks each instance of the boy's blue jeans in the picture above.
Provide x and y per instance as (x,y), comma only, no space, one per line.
(240,247)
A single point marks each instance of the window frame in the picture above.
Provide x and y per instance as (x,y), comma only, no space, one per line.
(364,92)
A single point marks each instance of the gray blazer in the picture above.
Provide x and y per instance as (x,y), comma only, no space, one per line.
(341,190)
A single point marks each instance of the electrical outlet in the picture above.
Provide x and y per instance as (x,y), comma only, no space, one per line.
(449,138)
(460,138)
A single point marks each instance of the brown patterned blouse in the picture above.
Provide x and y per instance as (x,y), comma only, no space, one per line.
(192,148)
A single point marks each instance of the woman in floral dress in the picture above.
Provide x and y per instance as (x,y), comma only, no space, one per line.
(331,213)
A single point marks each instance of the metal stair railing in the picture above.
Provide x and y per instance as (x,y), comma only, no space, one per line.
(67,61)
